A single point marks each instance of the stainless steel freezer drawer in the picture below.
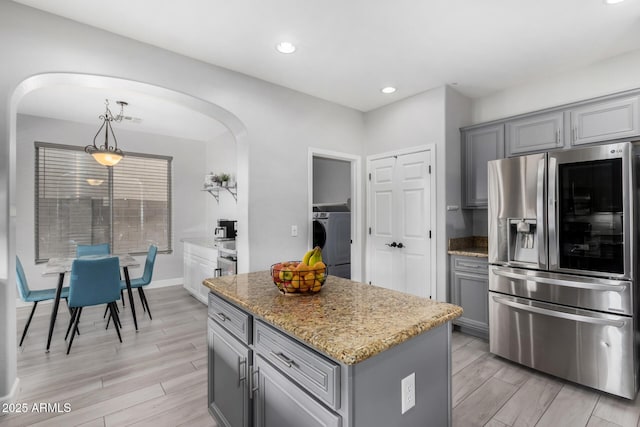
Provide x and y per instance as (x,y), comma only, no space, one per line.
(587,347)
(613,296)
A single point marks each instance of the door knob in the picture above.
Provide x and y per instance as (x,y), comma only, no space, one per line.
(400,245)
(392,244)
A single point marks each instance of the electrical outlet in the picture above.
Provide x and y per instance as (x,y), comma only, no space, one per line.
(408,386)
(294,231)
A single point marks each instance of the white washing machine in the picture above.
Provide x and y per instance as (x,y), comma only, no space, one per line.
(332,232)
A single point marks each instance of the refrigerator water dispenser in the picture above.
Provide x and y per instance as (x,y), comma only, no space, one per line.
(523,241)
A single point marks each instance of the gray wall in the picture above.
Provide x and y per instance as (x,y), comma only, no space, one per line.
(414,121)
(331,180)
(601,78)
(189,166)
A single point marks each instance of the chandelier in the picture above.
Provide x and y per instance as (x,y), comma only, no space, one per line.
(105,154)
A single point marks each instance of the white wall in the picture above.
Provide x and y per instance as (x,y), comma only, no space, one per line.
(221,157)
(188,168)
(279,126)
(331,180)
(414,121)
(601,78)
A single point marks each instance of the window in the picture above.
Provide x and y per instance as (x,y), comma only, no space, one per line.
(78,201)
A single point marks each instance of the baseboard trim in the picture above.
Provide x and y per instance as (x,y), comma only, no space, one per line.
(178,281)
(12,396)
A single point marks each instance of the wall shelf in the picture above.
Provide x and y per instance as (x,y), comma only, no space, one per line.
(215,191)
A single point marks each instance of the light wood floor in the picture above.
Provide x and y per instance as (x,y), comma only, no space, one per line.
(157,377)
(490,391)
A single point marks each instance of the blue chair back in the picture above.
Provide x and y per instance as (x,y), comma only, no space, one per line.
(149,263)
(21,280)
(94,281)
(101,249)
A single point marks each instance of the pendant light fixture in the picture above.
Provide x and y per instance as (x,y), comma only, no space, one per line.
(105,154)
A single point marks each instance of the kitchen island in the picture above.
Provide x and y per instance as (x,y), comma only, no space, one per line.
(337,358)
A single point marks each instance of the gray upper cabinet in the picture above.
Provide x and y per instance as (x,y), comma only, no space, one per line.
(480,145)
(535,133)
(605,120)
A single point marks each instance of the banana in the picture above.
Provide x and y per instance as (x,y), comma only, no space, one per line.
(305,259)
(316,257)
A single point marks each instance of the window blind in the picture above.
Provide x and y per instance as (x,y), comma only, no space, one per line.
(78,201)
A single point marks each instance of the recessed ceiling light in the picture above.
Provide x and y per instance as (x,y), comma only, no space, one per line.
(286,47)
(388,89)
(613,1)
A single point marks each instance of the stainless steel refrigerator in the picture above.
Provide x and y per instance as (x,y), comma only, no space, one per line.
(562,272)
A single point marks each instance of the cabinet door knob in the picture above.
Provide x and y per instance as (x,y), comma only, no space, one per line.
(221,316)
(392,244)
(400,245)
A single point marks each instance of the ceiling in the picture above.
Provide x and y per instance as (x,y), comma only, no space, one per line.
(85,105)
(348,50)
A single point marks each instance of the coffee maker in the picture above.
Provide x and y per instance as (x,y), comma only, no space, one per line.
(226,229)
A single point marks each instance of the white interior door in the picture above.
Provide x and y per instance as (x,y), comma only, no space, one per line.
(381,223)
(400,221)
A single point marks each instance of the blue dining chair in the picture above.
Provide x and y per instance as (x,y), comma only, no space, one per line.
(100,249)
(93,282)
(140,282)
(35,297)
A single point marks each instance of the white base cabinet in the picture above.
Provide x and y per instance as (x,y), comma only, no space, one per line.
(200,262)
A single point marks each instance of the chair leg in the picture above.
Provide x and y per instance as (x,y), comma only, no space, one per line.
(115,322)
(105,311)
(73,334)
(117,317)
(122,297)
(141,300)
(144,297)
(26,327)
(74,313)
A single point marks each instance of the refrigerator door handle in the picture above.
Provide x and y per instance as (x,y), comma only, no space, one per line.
(541,226)
(614,287)
(560,314)
(551,213)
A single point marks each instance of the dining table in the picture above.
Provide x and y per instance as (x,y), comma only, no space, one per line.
(61,266)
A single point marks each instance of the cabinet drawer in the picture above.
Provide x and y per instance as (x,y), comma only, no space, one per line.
(313,372)
(234,320)
(204,252)
(473,265)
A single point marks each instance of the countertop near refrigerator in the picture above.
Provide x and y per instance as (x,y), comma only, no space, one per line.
(473,246)
(349,321)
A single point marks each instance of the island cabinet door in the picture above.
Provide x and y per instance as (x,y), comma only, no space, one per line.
(280,403)
(228,385)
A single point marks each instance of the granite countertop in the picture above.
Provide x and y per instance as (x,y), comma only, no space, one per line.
(475,246)
(347,320)
(205,242)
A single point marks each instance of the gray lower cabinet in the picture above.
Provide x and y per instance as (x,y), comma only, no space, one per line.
(279,402)
(228,364)
(602,121)
(245,387)
(470,290)
(541,132)
(480,145)
(260,376)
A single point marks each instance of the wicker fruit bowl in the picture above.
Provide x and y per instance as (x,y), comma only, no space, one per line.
(297,278)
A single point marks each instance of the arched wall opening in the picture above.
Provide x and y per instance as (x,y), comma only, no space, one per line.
(235,127)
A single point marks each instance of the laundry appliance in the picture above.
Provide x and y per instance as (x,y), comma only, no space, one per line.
(332,232)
